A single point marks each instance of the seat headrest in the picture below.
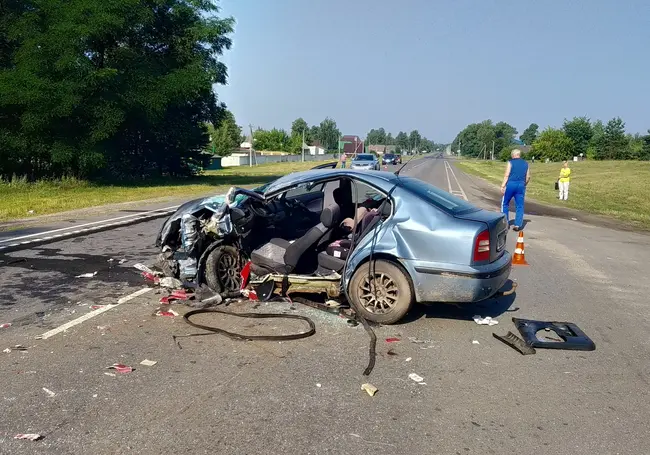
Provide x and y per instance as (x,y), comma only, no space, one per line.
(331,216)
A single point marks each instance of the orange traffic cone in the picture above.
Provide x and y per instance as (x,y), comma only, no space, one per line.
(519,258)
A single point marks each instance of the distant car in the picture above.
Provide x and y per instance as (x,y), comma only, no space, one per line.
(391,158)
(365,161)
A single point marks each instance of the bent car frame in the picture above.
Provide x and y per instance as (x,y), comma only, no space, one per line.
(378,240)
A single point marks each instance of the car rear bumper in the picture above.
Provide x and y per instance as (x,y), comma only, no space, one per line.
(435,282)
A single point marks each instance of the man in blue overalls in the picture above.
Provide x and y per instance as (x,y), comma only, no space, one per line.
(514,184)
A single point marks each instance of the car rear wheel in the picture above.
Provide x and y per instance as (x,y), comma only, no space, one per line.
(383,294)
(222,269)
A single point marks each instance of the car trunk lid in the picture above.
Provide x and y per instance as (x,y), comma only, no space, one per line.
(496,224)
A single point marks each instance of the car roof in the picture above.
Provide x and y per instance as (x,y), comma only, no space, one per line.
(297,178)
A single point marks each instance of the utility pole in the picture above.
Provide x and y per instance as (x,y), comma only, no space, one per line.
(302,146)
(492,151)
(250,149)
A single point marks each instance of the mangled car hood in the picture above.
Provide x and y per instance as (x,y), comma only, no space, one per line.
(171,227)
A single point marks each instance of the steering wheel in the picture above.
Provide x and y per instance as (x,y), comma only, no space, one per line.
(260,209)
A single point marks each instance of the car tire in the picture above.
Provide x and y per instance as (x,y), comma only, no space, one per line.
(395,291)
(222,269)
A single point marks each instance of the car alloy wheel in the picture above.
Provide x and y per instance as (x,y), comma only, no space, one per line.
(378,295)
(222,269)
(382,293)
(228,271)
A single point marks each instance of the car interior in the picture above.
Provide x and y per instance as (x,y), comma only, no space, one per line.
(317,237)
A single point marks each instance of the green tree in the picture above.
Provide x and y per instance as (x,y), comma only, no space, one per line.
(119,88)
(390,140)
(596,148)
(504,135)
(376,137)
(414,140)
(553,144)
(226,137)
(468,141)
(299,126)
(615,144)
(645,150)
(402,141)
(329,134)
(314,134)
(275,140)
(580,131)
(530,134)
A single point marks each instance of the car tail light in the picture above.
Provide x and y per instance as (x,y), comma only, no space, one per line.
(482,246)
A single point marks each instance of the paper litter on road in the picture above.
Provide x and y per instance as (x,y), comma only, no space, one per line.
(475,342)
(144,268)
(28,436)
(416,377)
(408,359)
(148,363)
(122,261)
(49,392)
(369,389)
(110,374)
(5,325)
(87,275)
(392,340)
(480,320)
(170,283)
(417,341)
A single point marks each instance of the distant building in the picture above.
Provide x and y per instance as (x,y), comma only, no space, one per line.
(315,150)
(351,145)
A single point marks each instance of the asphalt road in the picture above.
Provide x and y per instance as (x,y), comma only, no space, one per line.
(217,395)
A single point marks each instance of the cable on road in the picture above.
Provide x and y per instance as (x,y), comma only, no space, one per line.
(237,336)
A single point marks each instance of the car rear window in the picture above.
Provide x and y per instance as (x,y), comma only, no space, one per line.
(441,199)
(364,158)
(389,156)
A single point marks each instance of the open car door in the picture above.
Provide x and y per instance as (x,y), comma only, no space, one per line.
(326,166)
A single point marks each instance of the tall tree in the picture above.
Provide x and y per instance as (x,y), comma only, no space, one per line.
(414,140)
(553,144)
(402,141)
(615,142)
(275,140)
(596,148)
(329,134)
(530,134)
(467,141)
(486,133)
(117,88)
(645,150)
(504,134)
(580,131)
(390,140)
(226,136)
(299,126)
(314,134)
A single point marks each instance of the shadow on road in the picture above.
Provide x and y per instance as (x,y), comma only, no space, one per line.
(493,307)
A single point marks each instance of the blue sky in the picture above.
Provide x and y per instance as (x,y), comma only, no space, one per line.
(437,66)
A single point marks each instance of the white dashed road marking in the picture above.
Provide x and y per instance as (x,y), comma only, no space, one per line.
(93,313)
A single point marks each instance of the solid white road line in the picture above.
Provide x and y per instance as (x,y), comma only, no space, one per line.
(92,314)
(111,220)
(448,168)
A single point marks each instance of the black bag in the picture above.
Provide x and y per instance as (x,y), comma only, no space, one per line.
(557,185)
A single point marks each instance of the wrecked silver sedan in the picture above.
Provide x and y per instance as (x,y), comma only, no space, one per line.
(378,241)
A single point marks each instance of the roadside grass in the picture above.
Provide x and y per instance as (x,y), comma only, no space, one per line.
(18,198)
(618,189)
